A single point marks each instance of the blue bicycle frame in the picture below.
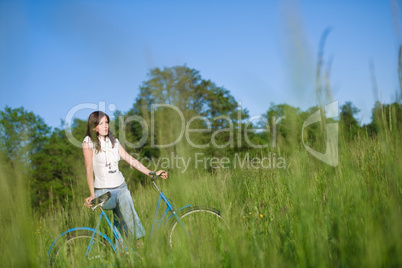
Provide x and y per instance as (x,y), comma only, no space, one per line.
(119,245)
(169,207)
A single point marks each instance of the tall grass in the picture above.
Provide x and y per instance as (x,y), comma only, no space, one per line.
(307,214)
(17,233)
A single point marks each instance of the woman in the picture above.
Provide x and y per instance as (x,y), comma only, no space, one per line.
(102,151)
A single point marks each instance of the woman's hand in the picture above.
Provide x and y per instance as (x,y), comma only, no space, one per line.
(88,201)
(137,164)
(163,174)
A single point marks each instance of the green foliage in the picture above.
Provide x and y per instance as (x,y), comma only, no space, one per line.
(308,214)
(284,122)
(303,213)
(54,171)
(173,99)
(22,134)
(386,119)
(349,124)
(17,239)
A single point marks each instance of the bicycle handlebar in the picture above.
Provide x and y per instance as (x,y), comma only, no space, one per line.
(155,176)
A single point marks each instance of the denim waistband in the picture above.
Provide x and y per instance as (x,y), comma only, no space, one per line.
(120,186)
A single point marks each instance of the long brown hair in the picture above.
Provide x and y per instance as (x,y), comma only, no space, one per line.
(93,121)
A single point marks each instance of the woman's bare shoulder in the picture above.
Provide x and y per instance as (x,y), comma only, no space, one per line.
(87,143)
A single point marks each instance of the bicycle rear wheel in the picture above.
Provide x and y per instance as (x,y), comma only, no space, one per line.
(71,250)
(203,236)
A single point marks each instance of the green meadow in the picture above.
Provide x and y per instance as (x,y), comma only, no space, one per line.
(301,212)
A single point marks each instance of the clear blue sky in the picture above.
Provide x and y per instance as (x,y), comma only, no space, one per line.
(55,55)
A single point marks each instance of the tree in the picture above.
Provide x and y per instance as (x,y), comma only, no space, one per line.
(22,134)
(172,98)
(349,124)
(56,167)
(54,171)
(284,124)
(385,118)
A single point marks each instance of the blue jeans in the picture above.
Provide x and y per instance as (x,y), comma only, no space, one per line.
(125,217)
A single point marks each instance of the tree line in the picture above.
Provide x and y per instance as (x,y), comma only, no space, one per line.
(172,98)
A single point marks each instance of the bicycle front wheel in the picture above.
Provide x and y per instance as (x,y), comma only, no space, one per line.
(202,235)
(78,249)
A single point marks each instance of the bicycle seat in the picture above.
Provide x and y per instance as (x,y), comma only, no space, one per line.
(101,199)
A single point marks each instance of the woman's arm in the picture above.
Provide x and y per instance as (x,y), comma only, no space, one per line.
(88,153)
(137,164)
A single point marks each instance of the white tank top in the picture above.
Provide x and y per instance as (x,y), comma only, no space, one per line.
(105,164)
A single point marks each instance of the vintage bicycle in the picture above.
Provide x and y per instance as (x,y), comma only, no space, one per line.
(186,228)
